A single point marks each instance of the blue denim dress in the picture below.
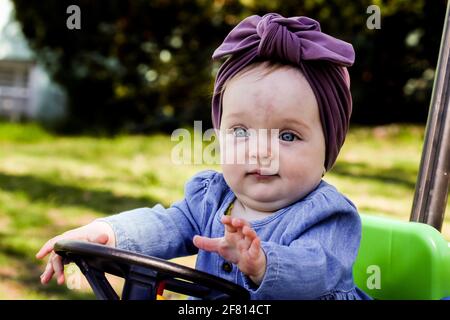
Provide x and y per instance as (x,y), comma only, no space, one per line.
(310,245)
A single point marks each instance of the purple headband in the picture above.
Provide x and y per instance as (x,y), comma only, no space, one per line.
(298,40)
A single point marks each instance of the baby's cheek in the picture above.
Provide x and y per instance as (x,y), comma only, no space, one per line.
(295,170)
(231,174)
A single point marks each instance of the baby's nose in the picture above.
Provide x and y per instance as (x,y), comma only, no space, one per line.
(261,147)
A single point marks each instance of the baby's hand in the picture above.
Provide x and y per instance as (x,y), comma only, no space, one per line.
(96,231)
(240,245)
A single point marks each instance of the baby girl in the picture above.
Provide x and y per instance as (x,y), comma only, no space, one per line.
(269,223)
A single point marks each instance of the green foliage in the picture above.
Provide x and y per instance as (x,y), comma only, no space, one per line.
(146,65)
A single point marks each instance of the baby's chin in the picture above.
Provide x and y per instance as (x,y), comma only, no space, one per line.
(265,198)
(266,202)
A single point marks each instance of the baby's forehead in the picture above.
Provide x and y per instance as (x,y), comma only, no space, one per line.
(276,90)
(269,80)
(261,70)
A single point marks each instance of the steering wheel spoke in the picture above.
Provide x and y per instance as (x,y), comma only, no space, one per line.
(98,282)
(140,284)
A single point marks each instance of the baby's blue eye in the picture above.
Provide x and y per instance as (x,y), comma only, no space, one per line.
(240,132)
(288,136)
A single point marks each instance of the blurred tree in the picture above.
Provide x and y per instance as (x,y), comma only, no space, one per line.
(146,65)
(134,65)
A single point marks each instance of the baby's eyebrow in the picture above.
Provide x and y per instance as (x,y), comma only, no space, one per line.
(237,114)
(281,121)
(292,121)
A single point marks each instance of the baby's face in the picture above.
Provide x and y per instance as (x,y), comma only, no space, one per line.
(281,100)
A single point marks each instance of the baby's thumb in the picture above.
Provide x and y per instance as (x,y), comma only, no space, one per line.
(101,238)
(205,243)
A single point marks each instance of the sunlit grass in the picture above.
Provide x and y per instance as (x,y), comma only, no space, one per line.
(49,184)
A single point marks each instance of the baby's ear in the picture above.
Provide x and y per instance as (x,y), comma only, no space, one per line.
(346,77)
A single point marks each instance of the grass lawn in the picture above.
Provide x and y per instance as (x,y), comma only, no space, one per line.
(49,184)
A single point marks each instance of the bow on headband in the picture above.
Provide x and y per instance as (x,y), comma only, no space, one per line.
(298,41)
(289,39)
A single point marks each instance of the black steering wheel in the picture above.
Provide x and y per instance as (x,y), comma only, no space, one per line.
(145,276)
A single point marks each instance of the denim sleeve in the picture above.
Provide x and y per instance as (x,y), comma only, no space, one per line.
(317,264)
(160,232)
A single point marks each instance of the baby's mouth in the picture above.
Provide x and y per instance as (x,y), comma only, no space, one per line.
(258,174)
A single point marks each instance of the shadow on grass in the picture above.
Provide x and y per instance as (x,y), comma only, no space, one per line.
(29,272)
(37,189)
(395,175)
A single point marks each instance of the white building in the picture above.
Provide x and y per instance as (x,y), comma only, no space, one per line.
(26,91)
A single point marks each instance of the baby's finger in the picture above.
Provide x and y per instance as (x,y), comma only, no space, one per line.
(47,247)
(249,233)
(237,237)
(59,268)
(239,223)
(48,273)
(226,220)
(255,248)
(207,244)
